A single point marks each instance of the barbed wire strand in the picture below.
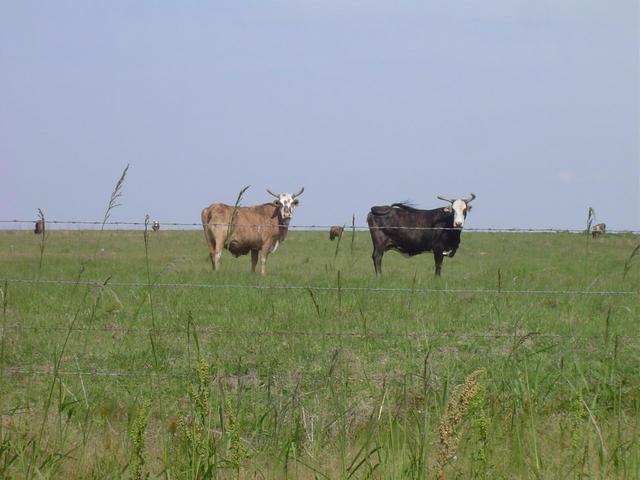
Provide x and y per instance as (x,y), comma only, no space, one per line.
(230,286)
(316,227)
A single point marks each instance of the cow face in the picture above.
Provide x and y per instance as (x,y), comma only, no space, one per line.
(286,202)
(460,208)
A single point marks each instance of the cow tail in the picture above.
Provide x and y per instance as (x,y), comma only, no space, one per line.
(206,220)
(206,216)
(370,219)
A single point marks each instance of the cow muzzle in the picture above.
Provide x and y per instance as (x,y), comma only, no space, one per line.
(287,214)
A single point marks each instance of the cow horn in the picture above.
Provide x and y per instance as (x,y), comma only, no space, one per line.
(274,194)
(445,199)
(468,200)
(299,193)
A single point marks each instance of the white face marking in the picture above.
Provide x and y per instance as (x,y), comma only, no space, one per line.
(459,212)
(286,203)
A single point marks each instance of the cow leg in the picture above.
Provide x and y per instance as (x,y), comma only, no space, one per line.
(211,245)
(218,245)
(380,245)
(212,257)
(254,260)
(438,256)
(264,252)
(377,260)
(216,259)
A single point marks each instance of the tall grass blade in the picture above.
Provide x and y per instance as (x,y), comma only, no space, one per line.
(5,301)
(115,196)
(113,203)
(43,240)
(335,254)
(150,292)
(627,264)
(591,216)
(315,301)
(234,213)
(353,229)
(59,356)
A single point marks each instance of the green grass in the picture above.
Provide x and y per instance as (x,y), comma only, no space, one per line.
(313,383)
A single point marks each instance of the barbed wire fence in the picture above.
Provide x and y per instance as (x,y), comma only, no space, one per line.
(134,225)
(436,337)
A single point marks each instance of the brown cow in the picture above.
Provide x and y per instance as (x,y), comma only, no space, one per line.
(335,232)
(598,230)
(39,229)
(258,229)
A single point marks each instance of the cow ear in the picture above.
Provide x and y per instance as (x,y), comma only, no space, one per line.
(296,201)
(448,209)
(277,203)
(468,207)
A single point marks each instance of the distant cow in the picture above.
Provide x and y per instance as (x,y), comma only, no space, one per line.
(156,226)
(335,232)
(39,228)
(411,231)
(598,230)
(258,229)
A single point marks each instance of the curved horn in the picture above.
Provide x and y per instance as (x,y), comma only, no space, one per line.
(274,194)
(445,199)
(468,200)
(299,193)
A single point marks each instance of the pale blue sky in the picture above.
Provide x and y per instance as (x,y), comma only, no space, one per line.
(533,105)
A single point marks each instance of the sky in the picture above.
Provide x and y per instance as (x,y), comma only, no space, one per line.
(532,105)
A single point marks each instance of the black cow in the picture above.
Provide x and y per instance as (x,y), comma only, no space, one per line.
(411,231)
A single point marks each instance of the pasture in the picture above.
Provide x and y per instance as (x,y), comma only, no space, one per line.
(124,355)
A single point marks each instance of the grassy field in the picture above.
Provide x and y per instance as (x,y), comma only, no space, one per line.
(122,371)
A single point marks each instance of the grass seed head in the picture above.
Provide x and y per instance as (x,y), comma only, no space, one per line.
(456,410)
